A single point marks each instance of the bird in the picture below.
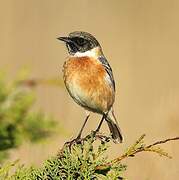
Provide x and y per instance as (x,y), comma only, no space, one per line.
(89,80)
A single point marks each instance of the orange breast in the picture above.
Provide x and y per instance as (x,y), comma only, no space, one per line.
(85,79)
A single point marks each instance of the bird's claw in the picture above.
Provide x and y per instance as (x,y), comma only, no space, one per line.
(75,141)
(94,135)
(100,136)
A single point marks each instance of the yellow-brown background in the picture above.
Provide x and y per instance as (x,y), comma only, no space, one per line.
(141,41)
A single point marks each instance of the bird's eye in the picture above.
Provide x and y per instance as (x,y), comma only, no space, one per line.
(80,41)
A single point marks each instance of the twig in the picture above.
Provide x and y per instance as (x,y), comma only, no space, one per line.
(163,141)
(133,150)
(35,82)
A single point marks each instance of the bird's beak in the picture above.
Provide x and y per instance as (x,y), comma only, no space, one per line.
(65,39)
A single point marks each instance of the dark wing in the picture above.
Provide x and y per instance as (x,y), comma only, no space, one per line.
(108,69)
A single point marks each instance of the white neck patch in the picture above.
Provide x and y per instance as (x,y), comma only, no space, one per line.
(91,53)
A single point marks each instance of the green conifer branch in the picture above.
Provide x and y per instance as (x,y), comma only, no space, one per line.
(138,147)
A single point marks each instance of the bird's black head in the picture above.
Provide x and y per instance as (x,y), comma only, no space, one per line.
(79,41)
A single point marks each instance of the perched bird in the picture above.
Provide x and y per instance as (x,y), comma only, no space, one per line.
(89,79)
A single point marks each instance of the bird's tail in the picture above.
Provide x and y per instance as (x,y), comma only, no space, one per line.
(114,128)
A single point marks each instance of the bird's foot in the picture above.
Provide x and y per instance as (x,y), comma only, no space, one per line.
(75,141)
(93,135)
(100,136)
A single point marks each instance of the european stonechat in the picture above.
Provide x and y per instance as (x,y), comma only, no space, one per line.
(89,79)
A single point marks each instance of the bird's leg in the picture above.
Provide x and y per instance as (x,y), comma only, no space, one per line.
(78,138)
(81,130)
(100,136)
(99,126)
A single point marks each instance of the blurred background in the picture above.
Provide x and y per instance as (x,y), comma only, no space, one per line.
(141,41)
